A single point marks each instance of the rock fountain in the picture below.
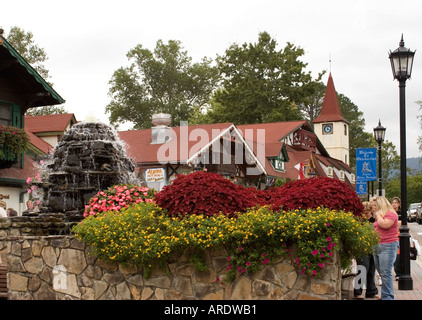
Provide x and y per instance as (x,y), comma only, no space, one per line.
(89,158)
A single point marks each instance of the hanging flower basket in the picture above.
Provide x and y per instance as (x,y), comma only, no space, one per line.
(13,141)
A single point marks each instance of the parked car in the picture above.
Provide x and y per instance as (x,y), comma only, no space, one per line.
(419,213)
(411,213)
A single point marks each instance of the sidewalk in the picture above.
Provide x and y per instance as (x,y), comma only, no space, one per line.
(415,294)
(416,274)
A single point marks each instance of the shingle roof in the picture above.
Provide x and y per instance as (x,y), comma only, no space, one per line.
(330,110)
(49,123)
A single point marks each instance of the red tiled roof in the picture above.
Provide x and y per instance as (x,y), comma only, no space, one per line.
(140,149)
(330,110)
(49,123)
(38,142)
(18,173)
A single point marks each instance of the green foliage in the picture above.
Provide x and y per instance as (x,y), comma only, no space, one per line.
(260,83)
(15,140)
(143,234)
(164,80)
(414,189)
(23,43)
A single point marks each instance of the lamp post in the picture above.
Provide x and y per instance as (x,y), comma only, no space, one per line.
(401,63)
(379,133)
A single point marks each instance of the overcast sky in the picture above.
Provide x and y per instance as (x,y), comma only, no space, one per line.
(86,41)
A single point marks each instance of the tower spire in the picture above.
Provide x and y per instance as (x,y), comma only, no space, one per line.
(330,110)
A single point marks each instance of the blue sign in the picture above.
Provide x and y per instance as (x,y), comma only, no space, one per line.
(361,187)
(366,164)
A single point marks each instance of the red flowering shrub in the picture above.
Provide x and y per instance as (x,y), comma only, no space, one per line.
(315,192)
(204,193)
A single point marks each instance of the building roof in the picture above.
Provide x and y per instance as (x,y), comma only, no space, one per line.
(40,146)
(16,176)
(24,77)
(141,150)
(330,110)
(49,123)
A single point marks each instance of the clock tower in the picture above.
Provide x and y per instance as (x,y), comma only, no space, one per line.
(330,126)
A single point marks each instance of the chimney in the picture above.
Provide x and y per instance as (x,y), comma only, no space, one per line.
(161,132)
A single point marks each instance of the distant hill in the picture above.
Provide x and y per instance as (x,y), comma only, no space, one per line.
(415,164)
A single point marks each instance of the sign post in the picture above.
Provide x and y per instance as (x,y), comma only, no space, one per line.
(366,168)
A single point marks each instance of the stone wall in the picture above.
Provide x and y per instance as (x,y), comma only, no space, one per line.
(61,267)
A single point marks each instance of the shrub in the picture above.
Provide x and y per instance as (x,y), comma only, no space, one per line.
(118,197)
(204,193)
(143,234)
(313,193)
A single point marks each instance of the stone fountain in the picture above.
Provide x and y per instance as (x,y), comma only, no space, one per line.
(89,158)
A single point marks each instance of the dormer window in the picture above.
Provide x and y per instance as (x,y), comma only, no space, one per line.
(278,164)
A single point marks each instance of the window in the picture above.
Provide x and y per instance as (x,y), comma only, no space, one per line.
(6,112)
(345,130)
(330,172)
(278,164)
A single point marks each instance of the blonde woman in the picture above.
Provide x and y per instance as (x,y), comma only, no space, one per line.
(386,224)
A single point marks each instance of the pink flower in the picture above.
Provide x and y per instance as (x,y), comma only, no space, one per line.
(328,224)
(29,180)
(266,261)
(228,258)
(217,280)
(264,255)
(248,263)
(329,239)
(240,248)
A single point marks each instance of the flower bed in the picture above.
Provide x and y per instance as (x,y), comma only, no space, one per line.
(253,229)
(145,235)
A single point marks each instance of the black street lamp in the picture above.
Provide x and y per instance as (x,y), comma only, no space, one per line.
(379,133)
(401,63)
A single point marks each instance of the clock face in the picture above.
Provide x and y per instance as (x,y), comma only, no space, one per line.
(328,128)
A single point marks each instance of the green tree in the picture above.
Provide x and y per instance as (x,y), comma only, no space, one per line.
(164,80)
(414,189)
(23,42)
(420,123)
(260,83)
(47,110)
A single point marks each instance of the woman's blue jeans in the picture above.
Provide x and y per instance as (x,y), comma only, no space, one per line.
(384,261)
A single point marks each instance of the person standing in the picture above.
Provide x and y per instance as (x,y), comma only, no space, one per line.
(367,264)
(386,224)
(396,204)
